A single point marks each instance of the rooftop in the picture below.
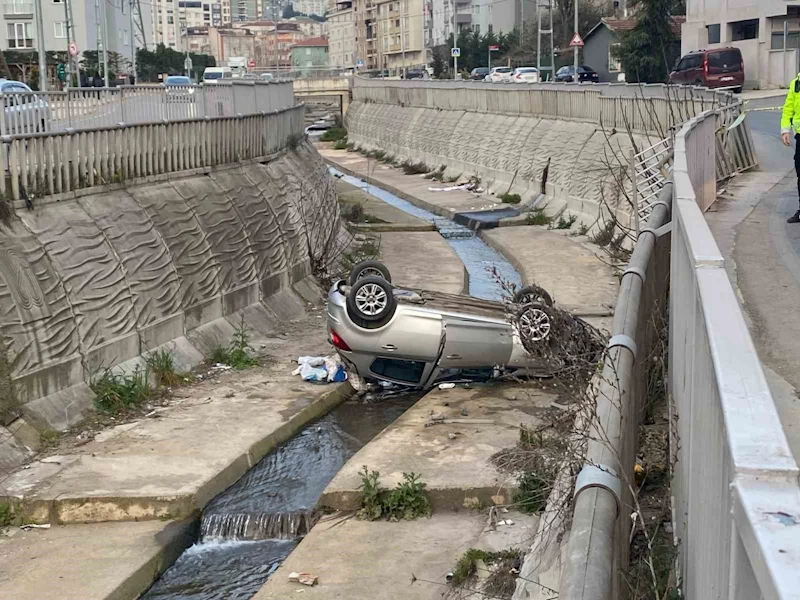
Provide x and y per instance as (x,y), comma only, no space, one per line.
(628,24)
(314,42)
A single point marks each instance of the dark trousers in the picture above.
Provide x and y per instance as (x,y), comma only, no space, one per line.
(797,159)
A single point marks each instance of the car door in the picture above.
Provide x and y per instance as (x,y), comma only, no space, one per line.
(694,70)
(677,73)
(471,343)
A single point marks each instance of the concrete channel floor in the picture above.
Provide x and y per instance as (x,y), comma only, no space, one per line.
(361,560)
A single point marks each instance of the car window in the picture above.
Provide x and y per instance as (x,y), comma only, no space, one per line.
(725,58)
(179,81)
(503,70)
(585,69)
(409,371)
(212,75)
(526,70)
(692,62)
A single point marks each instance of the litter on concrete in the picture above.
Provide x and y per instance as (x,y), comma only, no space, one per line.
(304,578)
(34,526)
(446,386)
(320,369)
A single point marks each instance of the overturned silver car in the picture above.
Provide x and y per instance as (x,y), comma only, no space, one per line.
(420,338)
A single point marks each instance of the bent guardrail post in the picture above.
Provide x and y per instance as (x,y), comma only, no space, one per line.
(603,491)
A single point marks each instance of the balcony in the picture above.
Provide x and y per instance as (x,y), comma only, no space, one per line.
(18,10)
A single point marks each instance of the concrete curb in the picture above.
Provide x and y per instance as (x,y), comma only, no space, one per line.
(69,510)
(392,227)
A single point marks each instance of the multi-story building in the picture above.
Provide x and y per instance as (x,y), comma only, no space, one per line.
(166,24)
(21,34)
(310,55)
(756,28)
(196,40)
(342,40)
(311,7)
(400,34)
(450,17)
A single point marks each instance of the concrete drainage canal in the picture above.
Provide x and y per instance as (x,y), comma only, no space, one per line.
(252,526)
(247,531)
(485,265)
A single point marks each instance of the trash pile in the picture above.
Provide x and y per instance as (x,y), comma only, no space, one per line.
(320,369)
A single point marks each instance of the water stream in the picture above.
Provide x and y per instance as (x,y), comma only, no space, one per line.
(478,258)
(252,526)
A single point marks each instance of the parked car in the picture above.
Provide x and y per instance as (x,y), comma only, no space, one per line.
(415,74)
(179,88)
(217,74)
(499,75)
(525,75)
(717,68)
(267,77)
(585,73)
(23,110)
(479,73)
(417,338)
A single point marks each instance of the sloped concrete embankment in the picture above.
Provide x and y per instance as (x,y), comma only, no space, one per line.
(577,165)
(99,281)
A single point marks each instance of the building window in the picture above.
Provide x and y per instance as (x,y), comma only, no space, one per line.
(713,33)
(490,8)
(476,28)
(476,9)
(58,1)
(20,35)
(614,64)
(170,20)
(490,25)
(60,29)
(792,40)
(744,30)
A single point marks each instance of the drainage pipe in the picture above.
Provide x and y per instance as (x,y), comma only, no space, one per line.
(598,539)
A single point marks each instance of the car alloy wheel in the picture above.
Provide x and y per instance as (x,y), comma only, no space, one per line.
(371,299)
(534,324)
(369,272)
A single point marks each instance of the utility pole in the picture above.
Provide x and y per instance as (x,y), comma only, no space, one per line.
(72,61)
(576,79)
(403,11)
(42,56)
(105,41)
(546,5)
(133,42)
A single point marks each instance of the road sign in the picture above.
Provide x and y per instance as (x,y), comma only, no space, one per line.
(187,63)
(359,63)
(576,40)
(73,49)
(251,63)
(494,48)
(455,52)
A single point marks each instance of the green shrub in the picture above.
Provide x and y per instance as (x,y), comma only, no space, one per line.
(162,366)
(532,494)
(371,506)
(116,393)
(406,502)
(413,168)
(341,144)
(537,217)
(563,223)
(237,354)
(6,515)
(466,566)
(334,134)
(510,198)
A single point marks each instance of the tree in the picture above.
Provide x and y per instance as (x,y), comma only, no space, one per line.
(439,60)
(149,64)
(647,51)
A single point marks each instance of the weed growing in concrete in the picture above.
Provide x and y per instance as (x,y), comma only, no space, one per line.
(116,393)
(604,236)
(49,438)
(510,198)
(582,229)
(237,354)
(351,147)
(437,175)
(413,168)
(6,212)
(162,366)
(363,248)
(6,515)
(501,565)
(371,506)
(341,144)
(406,502)
(334,134)
(532,494)
(563,223)
(452,178)
(293,141)
(537,217)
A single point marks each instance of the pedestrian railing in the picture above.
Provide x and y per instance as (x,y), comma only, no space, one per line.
(52,163)
(81,108)
(736,498)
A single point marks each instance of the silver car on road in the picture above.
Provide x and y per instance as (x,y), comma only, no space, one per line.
(419,338)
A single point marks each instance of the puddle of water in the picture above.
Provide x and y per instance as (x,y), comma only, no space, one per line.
(240,543)
(478,258)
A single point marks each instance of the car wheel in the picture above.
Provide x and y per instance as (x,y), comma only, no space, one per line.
(369,268)
(737,90)
(370,302)
(535,323)
(531,294)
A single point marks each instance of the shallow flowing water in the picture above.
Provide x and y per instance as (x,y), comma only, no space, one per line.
(487,268)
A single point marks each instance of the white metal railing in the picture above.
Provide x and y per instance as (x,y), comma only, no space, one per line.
(650,171)
(83,108)
(736,498)
(52,163)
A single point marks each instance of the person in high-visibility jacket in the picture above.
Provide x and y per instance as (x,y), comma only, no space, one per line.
(790,124)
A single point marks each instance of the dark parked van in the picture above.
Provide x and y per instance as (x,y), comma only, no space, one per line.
(717,68)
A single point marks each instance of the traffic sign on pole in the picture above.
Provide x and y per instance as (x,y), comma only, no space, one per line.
(73,49)
(251,63)
(576,40)
(455,52)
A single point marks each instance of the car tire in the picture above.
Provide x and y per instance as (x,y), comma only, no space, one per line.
(370,302)
(535,324)
(737,90)
(531,294)
(369,268)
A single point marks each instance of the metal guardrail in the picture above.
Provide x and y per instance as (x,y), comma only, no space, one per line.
(736,498)
(26,113)
(52,163)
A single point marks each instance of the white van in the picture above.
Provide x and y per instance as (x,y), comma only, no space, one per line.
(216,74)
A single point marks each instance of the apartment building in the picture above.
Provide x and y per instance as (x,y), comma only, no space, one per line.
(400,26)
(342,36)
(20,26)
(311,7)
(310,27)
(766,32)
(449,17)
